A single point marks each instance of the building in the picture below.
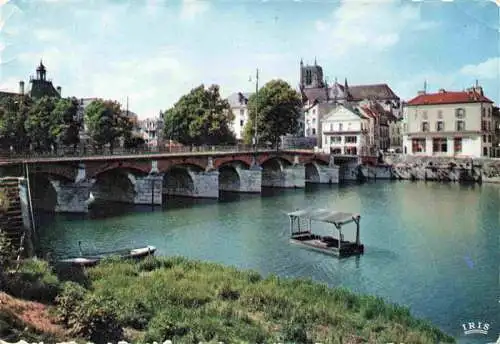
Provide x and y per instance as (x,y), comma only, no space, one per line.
(316,92)
(345,131)
(449,123)
(39,87)
(396,135)
(238,103)
(496,136)
(151,130)
(313,117)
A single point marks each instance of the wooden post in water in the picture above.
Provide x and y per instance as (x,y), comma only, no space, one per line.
(357,229)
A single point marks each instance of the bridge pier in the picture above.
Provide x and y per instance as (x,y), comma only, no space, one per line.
(148,190)
(287,177)
(319,174)
(72,197)
(251,180)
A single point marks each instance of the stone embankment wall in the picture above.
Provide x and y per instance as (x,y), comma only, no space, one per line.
(435,168)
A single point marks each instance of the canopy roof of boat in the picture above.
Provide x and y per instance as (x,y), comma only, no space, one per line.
(326,215)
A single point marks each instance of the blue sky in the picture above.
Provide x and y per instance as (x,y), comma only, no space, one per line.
(154,51)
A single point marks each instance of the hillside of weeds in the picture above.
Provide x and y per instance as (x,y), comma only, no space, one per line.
(189,301)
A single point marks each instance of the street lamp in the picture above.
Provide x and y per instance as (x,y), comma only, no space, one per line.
(256,109)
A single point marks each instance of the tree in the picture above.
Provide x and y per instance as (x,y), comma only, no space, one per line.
(13,115)
(200,117)
(40,124)
(66,129)
(278,110)
(106,123)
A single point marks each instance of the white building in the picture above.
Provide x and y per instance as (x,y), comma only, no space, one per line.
(345,131)
(449,124)
(151,130)
(238,103)
(313,117)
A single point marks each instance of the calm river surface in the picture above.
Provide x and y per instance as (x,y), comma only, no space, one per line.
(433,247)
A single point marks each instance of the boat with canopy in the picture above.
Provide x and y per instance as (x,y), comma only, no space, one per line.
(301,232)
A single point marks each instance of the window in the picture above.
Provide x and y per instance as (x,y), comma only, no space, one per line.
(484,138)
(335,139)
(483,112)
(460,125)
(242,122)
(485,151)
(424,114)
(484,126)
(418,145)
(340,126)
(351,139)
(440,126)
(242,112)
(489,138)
(314,131)
(489,112)
(331,126)
(460,113)
(314,120)
(457,145)
(439,145)
(425,126)
(440,114)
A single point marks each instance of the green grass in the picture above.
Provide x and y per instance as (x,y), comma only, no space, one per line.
(189,301)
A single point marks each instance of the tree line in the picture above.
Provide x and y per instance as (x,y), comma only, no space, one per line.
(203,117)
(49,124)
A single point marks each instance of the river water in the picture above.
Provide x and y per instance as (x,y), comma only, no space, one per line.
(433,247)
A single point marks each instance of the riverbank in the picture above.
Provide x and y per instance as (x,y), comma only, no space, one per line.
(190,301)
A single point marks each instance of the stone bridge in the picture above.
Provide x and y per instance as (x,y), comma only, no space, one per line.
(70,184)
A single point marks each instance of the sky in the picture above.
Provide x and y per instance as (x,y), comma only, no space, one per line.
(154,51)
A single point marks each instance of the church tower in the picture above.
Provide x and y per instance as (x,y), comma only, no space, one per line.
(311,76)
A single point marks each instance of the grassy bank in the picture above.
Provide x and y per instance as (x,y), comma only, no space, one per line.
(189,301)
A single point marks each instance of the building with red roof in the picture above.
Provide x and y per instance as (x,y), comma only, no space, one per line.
(449,123)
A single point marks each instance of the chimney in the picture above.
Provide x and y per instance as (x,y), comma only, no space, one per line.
(58,88)
(21,87)
(441,90)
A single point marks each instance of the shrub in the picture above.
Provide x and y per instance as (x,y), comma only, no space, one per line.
(34,281)
(67,302)
(95,319)
(168,324)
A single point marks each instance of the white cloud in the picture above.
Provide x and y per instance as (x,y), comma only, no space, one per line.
(373,26)
(489,69)
(193,8)
(48,35)
(10,84)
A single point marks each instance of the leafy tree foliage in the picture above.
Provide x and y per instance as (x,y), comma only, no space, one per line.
(106,123)
(66,128)
(200,117)
(13,115)
(40,124)
(278,109)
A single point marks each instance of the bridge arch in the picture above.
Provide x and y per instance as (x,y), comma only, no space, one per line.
(115,184)
(178,180)
(275,164)
(44,191)
(312,170)
(229,175)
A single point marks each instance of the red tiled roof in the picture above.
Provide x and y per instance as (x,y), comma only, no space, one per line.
(449,98)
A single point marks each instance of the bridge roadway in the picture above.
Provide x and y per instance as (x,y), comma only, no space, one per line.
(72,183)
